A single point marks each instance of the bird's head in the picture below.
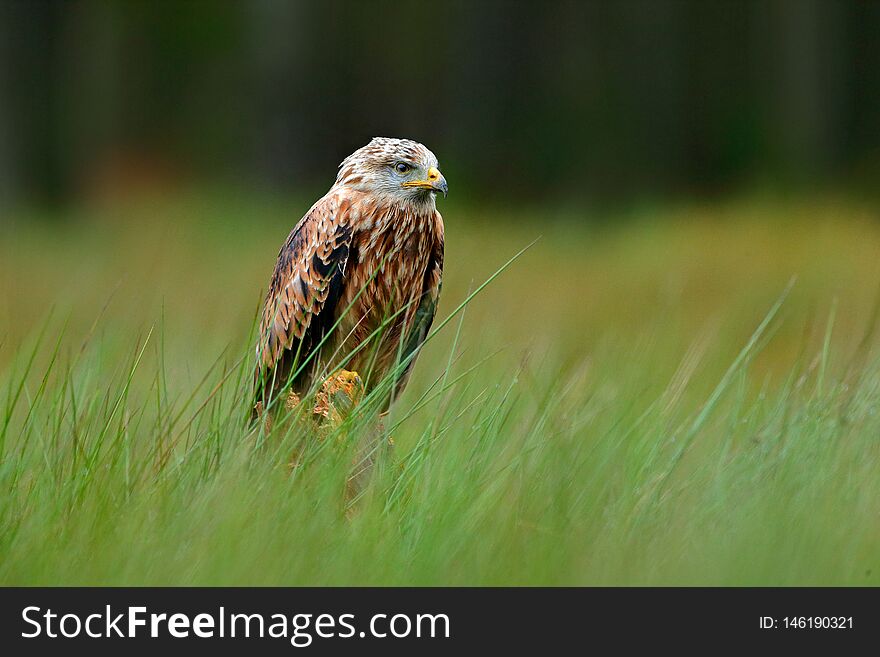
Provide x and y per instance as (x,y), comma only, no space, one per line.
(399,169)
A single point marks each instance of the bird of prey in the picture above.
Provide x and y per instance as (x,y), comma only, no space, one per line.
(357,282)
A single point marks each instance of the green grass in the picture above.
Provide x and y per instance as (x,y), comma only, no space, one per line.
(652,402)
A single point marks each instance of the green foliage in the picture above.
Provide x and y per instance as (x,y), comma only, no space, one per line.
(653,404)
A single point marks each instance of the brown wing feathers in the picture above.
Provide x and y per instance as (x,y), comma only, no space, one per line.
(307,278)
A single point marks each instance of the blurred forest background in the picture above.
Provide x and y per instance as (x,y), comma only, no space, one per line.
(564,100)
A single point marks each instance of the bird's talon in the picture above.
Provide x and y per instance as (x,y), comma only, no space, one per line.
(339,395)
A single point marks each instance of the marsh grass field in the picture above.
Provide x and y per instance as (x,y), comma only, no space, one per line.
(685,395)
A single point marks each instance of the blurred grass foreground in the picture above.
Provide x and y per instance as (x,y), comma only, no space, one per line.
(639,403)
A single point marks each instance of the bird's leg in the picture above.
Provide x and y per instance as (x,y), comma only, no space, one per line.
(372,443)
(337,400)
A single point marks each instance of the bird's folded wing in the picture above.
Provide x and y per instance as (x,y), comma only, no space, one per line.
(310,267)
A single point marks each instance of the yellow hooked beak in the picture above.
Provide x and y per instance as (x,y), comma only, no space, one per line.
(435,182)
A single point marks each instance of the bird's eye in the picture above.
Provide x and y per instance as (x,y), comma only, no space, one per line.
(401,167)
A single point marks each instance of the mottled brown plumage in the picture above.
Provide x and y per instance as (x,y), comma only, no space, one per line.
(369,252)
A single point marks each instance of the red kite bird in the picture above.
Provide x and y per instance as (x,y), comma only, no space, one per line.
(356,283)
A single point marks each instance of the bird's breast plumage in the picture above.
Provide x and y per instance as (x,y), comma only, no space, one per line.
(385,278)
